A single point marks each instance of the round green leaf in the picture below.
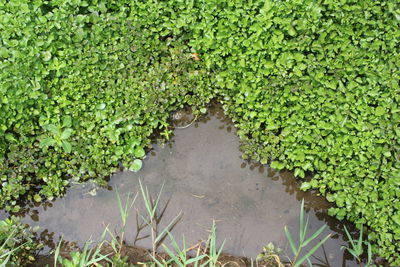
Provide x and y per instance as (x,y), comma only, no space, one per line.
(139,152)
(136,165)
(46,55)
(37,198)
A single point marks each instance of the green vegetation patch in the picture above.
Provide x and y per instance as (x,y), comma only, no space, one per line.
(313,85)
(83,87)
(18,243)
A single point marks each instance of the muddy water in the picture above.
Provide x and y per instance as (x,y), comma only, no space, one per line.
(204,178)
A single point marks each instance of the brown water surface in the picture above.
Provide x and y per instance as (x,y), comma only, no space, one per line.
(205,178)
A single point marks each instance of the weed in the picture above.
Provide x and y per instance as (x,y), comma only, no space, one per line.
(87,257)
(357,247)
(297,249)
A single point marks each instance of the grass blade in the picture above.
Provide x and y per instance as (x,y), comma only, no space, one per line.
(369,254)
(57,251)
(315,235)
(301,221)
(157,261)
(360,242)
(146,199)
(158,197)
(167,229)
(349,237)
(290,239)
(309,262)
(195,259)
(312,251)
(173,256)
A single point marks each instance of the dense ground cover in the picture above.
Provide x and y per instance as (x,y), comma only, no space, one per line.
(314,85)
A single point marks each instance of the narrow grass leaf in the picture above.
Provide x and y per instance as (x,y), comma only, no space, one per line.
(173,256)
(312,251)
(309,262)
(195,259)
(162,235)
(301,222)
(360,242)
(315,235)
(146,199)
(290,239)
(57,251)
(158,197)
(349,237)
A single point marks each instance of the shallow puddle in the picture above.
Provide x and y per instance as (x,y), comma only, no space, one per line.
(205,178)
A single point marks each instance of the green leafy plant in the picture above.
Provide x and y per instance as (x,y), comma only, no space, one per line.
(312,85)
(152,218)
(87,257)
(59,137)
(17,243)
(303,242)
(357,247)
(270,256)
(206,255)
(117,242)
(6,254)
(179,256)
(211,249)
(72,109)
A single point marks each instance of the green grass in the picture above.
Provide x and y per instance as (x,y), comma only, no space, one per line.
(356,247)
(303,242)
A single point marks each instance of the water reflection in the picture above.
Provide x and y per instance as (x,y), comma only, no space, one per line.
(205,178)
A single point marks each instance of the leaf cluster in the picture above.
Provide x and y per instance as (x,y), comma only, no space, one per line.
(313,85)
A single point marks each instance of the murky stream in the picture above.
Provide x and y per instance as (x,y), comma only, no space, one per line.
(205,178)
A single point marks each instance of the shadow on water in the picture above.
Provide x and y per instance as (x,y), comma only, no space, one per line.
(207,180)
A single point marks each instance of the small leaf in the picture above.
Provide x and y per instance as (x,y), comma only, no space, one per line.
(51,128)
(46,55)
(379,111)
(139,152)
(136,165)
(299,173)
(66,134)
(305,186)
(396,218)
(387,154)
(67,122)
(10,137)
(277,165)
(67,146)
(47,142)
(3,52)
(37,198)
(101,106)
